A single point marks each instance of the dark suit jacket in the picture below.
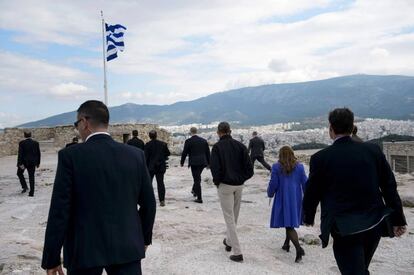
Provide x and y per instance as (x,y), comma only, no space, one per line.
(136,142)
(29,153)
(198,151)
(156,154)
(94,208)
(71,144)
(357,138)
(352,180)
(256,147)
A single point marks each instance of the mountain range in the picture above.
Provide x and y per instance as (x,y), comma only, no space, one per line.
(374,96)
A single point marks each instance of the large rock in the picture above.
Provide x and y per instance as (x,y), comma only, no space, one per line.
(311,239)
(407,201)
(176,149)
(208,180)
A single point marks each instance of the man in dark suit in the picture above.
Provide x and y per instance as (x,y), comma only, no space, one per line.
(94,212)
(156,154)
(256,148)
(135,141)
(199,157)
(28,158)
(74,142)
(352,180)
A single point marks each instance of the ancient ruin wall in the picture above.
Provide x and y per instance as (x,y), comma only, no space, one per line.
(400,155)
(61,135)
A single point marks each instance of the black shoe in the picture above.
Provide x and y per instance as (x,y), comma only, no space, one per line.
(31,195)
(162,203)
(198,200)
(299,255)
(237,258)
(24,190)
(286,247)
(227,247)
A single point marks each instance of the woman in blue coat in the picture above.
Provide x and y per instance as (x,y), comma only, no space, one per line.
(287,184)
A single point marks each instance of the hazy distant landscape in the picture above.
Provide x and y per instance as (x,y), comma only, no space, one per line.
(278,135)
(283,114)
(369,96)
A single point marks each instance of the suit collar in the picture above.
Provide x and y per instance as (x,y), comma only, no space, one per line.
(225,137)
(342,139)
(98,135)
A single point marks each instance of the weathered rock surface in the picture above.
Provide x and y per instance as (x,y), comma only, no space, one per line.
(311,239)
(187,235)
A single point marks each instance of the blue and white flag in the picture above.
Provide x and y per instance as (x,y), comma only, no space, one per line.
(114,40)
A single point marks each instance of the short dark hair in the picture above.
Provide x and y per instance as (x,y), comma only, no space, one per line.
(224,128)
(95,111)
(27,134)
(135,133)
(152,134)
(254,133)
(193,130)
(341,120)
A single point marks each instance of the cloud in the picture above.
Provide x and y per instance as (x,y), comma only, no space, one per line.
(70,90)
(151,97)
(266,77)
(21,74)
(379,52)
(279,65)
(77,22)
(187,49)
(7,119)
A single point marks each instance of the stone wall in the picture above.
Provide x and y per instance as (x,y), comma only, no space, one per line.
(119,130)
(400,155)
(61,135)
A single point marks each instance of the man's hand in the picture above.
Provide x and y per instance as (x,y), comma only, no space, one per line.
(399,230)
(57,270)
(22,167)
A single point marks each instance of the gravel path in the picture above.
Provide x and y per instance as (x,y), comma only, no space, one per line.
(187,236)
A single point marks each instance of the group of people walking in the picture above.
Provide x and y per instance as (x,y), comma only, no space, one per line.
(103,206)
(355,187)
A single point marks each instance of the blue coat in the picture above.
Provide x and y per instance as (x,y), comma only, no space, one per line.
(288,191)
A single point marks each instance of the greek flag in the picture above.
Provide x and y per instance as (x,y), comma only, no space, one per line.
(114,40)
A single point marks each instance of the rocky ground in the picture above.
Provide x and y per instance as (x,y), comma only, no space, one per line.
(187,236)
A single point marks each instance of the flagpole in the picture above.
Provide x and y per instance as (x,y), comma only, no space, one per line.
(104,59)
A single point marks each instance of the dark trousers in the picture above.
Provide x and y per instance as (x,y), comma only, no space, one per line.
(160,184)
(133,268)
(353,253)
(262,161)
(196,172)
(31,171)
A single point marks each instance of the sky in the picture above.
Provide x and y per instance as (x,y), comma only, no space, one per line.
(51,51)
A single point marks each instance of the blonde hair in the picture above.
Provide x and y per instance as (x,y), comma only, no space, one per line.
(287,159)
